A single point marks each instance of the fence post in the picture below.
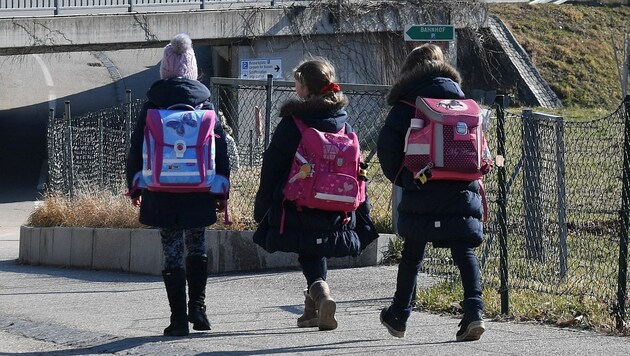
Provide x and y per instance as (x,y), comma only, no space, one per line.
(101,152)
(531,184)
(56,12)
(203,4)
(502,207)
(51,146)
(622,279)
(268,110)
(130,7)
(128,120)
(562,206)
(251,148)
(69,165)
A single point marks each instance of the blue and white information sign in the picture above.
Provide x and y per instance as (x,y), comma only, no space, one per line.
(258,68)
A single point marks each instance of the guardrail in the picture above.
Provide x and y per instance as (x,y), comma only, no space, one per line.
(70,7)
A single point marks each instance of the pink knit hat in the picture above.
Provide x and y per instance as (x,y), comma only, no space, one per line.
(179,59)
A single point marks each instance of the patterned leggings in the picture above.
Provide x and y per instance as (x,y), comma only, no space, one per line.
(173,242)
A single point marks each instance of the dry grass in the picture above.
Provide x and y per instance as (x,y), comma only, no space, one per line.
(87,208)
(104,209)
(572,47)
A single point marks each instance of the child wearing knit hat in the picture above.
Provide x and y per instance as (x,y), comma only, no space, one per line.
(179,59)
(181,218)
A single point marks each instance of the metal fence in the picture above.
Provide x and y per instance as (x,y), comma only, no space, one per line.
(68,7)
(558,207)
(90,149)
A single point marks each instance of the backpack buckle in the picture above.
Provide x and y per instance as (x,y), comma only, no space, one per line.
(424,174)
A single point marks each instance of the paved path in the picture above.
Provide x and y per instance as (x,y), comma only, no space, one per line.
(57,311)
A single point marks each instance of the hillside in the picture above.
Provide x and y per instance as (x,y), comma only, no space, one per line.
(571,45)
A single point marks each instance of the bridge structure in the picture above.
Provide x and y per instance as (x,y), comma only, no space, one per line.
(211,22)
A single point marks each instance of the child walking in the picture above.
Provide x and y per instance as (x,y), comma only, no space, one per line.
(313,234)
(180,217)
(453,207)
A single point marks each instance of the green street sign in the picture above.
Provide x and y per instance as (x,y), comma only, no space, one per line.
(429,33)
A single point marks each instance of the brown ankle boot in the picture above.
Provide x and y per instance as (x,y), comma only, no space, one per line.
(326,306)
(309,318)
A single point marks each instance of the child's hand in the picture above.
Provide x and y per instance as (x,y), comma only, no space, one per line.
(220,205)
(136,201)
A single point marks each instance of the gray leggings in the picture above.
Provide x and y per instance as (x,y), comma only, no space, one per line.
(173,241)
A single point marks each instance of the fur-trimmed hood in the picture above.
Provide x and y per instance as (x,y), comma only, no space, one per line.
(412,83)
(319,112)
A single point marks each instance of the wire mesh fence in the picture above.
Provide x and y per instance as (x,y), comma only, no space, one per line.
(90,149)
(558,207)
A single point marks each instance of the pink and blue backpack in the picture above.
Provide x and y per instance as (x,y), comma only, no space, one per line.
(326,171)
(178,152)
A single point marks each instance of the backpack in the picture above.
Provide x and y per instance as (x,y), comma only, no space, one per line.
(178,152)
(327,172)
(445,141)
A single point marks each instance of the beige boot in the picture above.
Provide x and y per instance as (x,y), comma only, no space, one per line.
(326,306)
(309,318)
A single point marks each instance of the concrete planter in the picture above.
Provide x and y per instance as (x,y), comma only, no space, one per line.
(140,250)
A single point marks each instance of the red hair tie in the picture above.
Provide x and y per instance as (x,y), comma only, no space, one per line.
(334,87)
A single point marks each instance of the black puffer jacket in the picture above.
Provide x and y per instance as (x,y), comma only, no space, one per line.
(176,210)
(442,212)
(308,231)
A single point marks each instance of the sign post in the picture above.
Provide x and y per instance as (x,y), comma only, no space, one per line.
(259,68)
(429,33)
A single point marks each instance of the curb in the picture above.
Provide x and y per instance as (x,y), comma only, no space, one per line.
(140,250)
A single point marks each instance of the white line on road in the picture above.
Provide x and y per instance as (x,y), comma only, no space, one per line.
(52,98)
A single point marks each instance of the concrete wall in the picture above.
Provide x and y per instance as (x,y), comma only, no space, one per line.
(140,250)
(220,27)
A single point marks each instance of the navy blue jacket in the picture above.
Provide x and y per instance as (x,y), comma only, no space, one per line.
(176,210)
(441,212)
(306,231)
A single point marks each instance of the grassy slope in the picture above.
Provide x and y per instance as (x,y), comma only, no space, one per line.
(571,45)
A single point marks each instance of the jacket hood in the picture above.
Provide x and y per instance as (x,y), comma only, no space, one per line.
(429,82)
(317,112)
(167,92)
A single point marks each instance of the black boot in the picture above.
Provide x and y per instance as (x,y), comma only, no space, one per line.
(197,276)
(175,282)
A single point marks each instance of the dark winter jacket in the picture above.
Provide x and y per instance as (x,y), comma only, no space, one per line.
(442,212)
(306,231)
(176,210)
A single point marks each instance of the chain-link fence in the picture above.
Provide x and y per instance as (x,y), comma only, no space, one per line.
(558,219)
(558,208)
(90,149)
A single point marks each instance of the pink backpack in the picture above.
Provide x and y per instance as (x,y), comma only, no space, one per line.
(445,141)
(325,171)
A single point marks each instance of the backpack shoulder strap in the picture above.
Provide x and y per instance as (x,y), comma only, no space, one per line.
(408,103)
(181,106)
(300,124)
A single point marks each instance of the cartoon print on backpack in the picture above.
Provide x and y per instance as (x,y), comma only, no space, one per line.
(325,171)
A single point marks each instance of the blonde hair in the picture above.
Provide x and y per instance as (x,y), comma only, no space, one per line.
(421,56)
(315,74)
